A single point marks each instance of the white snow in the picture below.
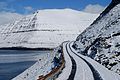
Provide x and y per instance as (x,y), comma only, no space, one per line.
(45,28)
(41,67)
(106,27)
(104,73)
(83,71)
(68,66)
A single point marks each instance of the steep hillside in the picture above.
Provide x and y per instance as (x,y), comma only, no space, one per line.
(101,41)
(45,28)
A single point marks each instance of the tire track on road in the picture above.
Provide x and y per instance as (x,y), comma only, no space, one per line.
(74,67)
(96,74)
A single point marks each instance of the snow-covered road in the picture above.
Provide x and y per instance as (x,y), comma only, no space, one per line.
(79,67)
(74,66)
(95,73)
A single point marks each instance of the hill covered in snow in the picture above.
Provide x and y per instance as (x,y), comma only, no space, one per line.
(45,28)
(101,40)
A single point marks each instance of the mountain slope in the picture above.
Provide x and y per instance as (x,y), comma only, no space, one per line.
(45,28)
(101,40)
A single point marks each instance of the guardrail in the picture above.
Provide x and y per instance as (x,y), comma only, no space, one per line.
(55,72)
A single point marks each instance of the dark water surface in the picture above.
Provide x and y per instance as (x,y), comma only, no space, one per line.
(14,62)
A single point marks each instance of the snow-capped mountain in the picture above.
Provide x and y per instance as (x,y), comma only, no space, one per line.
(101,40)
(45,28)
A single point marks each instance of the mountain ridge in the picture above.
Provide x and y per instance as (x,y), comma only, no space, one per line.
(45,28)
(100,40)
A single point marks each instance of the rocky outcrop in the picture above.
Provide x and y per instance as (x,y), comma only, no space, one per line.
(110,6)
(101,39)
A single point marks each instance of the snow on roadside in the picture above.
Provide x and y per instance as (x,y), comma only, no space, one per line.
(68,66)
(83,71)
(104,73)
(41,67)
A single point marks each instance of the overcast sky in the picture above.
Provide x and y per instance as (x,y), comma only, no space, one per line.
(15,9)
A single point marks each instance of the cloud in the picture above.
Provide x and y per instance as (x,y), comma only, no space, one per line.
(3,6)
(94,8)
(8,17)
(28,9)
(8,14)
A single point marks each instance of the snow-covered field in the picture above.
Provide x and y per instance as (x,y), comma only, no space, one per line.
(45,28)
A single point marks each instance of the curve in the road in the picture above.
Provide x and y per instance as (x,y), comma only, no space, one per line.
(74,67)
(96,74)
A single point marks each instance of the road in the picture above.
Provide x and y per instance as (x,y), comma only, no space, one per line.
(79,67)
